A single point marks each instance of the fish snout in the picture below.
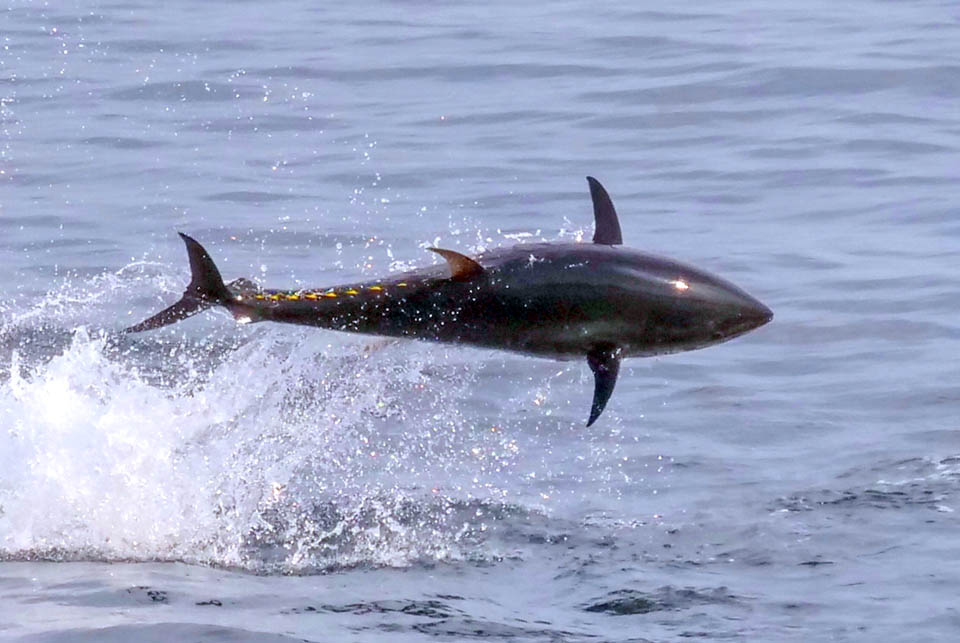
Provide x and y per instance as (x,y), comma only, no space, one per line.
(746,313)
(756,312)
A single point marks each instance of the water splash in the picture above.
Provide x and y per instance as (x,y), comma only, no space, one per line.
(273,450)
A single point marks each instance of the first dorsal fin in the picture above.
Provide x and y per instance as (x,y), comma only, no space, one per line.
(462,267)
(607,229)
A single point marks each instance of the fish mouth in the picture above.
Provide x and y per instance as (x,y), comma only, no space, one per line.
(759,315)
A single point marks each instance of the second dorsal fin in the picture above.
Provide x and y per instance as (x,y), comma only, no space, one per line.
(462,267)
(607,225)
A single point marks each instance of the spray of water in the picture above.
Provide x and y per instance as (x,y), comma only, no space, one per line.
(272,450)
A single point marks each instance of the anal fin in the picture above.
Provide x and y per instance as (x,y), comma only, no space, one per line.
(604,361)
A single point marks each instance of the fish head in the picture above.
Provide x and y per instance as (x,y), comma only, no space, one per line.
(690,308)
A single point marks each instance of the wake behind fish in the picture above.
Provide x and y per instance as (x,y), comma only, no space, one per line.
(275,451)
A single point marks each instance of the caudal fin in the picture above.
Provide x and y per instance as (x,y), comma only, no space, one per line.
(206,289)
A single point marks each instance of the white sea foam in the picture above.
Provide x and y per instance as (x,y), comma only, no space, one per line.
(278,453)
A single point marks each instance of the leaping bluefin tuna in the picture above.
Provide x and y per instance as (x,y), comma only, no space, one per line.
(558,300)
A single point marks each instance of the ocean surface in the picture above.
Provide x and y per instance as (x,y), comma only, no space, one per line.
(212,482)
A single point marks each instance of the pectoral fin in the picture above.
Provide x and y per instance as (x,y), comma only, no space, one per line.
(462,267)
(604,361)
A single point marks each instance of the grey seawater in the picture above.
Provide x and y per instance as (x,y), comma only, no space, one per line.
(220,483)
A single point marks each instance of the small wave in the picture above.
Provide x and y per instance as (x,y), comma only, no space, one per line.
(121,142)
(150,633)
(628,601)
(187,91)
(924,483)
